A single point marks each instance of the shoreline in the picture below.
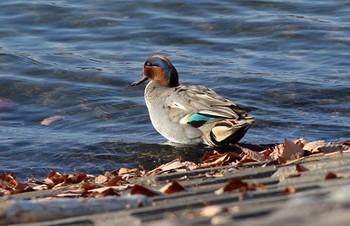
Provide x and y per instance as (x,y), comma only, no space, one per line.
(222,184)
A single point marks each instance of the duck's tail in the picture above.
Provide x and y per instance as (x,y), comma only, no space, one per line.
(229,131)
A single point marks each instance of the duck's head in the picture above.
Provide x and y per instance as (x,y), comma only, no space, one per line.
(160,69)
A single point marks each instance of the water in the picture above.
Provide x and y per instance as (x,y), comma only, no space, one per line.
(288,59)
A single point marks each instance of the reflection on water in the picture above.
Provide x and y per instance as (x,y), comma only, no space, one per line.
(287,60)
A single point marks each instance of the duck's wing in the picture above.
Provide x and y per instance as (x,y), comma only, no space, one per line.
(196,105)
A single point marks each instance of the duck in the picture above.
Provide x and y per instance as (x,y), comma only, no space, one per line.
(189,114)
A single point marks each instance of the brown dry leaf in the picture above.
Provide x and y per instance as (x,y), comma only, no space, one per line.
(87,186)
(172,187)
(100,179)
(113,181)
(276,153)
(56,177)
(214,158)
(234,184)
(257,156)
(75,178)
(325,147)
(300,168)
(292,151)
(266,152)
(100,192)
(207,155)
(290,190)
(238,184)
(175,165)
(333,147)
(48,121)
(300,142)
(331,175)
(140,190)
(10,183)
(313,146)
(49,183)
(130,172)
(246,159)
(287,152)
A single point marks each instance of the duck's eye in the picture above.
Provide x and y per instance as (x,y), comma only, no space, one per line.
(147,63)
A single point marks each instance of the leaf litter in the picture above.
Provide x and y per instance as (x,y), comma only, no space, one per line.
(125,180)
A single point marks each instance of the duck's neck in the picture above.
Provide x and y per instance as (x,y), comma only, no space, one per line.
(154,91)
(152,87)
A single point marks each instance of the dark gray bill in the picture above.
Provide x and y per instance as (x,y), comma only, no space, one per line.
(141,80)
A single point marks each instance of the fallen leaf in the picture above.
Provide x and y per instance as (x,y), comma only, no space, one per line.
(292,151)
(326,147)
(290,190)
(238,184)
(100,192)
(48,121)
(171,166)
(172,187)
(257,156)
(113,181)
(100,179)
(299,168)
(140,190)
(9,182)
(214,158)
(234,184)
(333,147)
(130,172)
(287,152)
(75,178)
(175,165)
(331,175)
(300,142)
(87,186)
(40,187)
(266,152)
(314,146)
(56,177)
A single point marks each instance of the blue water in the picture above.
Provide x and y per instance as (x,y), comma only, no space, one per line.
(288,59)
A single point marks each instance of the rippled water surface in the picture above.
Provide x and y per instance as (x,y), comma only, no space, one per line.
(288,59)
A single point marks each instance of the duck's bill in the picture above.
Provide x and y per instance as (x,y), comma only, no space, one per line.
(141,80)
